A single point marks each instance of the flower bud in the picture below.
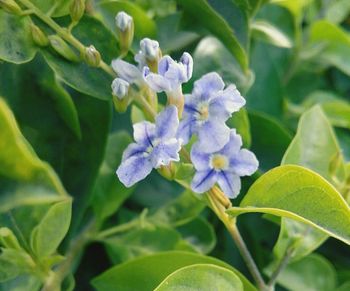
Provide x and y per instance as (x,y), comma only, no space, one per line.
(77,9)
(121,98)
(10,6)
(8,239)
(149,55)
(92,56)
(125,30)
(168,172)
(38,36)
(61,47)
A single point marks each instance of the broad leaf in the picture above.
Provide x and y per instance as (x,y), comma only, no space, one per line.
(61,7)
(16,45)
(215,23)
(146,273)
(48,235)
(201,277)
(298,193)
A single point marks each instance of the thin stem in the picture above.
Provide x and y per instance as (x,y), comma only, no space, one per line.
(64,33)
(117,229)
(282,264)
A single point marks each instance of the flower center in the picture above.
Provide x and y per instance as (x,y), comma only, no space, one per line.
(219,162)
(203,112)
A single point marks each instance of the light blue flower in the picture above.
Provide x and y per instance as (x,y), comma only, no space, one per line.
(171,75)
(156,145)
(206,111)
(128,72)
(223,167)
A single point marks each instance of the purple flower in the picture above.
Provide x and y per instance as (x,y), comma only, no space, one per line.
(206,111)
(171,75)
(156,145)
(224,166)
(128,72)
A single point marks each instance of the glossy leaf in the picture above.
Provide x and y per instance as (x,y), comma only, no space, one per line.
(146,273)
(16,45)
(312,273)
(61,7)
(271,34)
(298,193)
(48,235)
(218,26)
(201,277)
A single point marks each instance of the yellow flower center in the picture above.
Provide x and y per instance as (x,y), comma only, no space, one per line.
(219,162)
(203,112)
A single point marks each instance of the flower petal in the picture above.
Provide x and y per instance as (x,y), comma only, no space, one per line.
(233,146)
(157,82)
(163,65)
(133,149)
(187,61)
(164,153)
(127,71)
(200,160)
(207,85)
(229,183)
(167,123)
(184,131)
(244,163)
(144,133)
(203,181)
(134,169)
(213,135)
(225,103)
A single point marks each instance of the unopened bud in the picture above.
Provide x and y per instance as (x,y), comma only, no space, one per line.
(169,171)
(125,30)
(61,47)
(77,9)
(38,36)
(10,6)
(150,54)
(120,88)
(92,56)
(8,239)
(121,98)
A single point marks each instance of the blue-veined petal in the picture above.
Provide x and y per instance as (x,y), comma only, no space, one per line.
(203,181)
(157,82)
(233,146)
(213,135)
(134,169)
(244,163)
(167,123)
(134,149)
(208,84)
(229,183)
(200,160)
(187,61)
(127,71)
(225,102)
(144,133)
(184,131)
(164,153)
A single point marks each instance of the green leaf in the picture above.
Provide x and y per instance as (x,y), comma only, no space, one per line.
(36,182)
(142,241)
(61,6)
(201,277)
(24,282)
(216,24)
(337,42)
(147,272)
(16,45)
(312,273)
(8,270)
(211,55)
(270,33)
(180,210)
(48,235)
(270,139)
(315,145)
(344,287)
(338,11)
(109,193)
(144,25)
(200,234)
(298,193)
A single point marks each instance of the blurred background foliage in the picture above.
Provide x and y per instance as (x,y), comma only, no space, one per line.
(59,134)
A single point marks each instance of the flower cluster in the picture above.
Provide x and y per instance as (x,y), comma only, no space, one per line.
(216,153)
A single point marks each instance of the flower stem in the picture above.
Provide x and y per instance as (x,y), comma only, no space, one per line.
(282,264)
(64,33)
